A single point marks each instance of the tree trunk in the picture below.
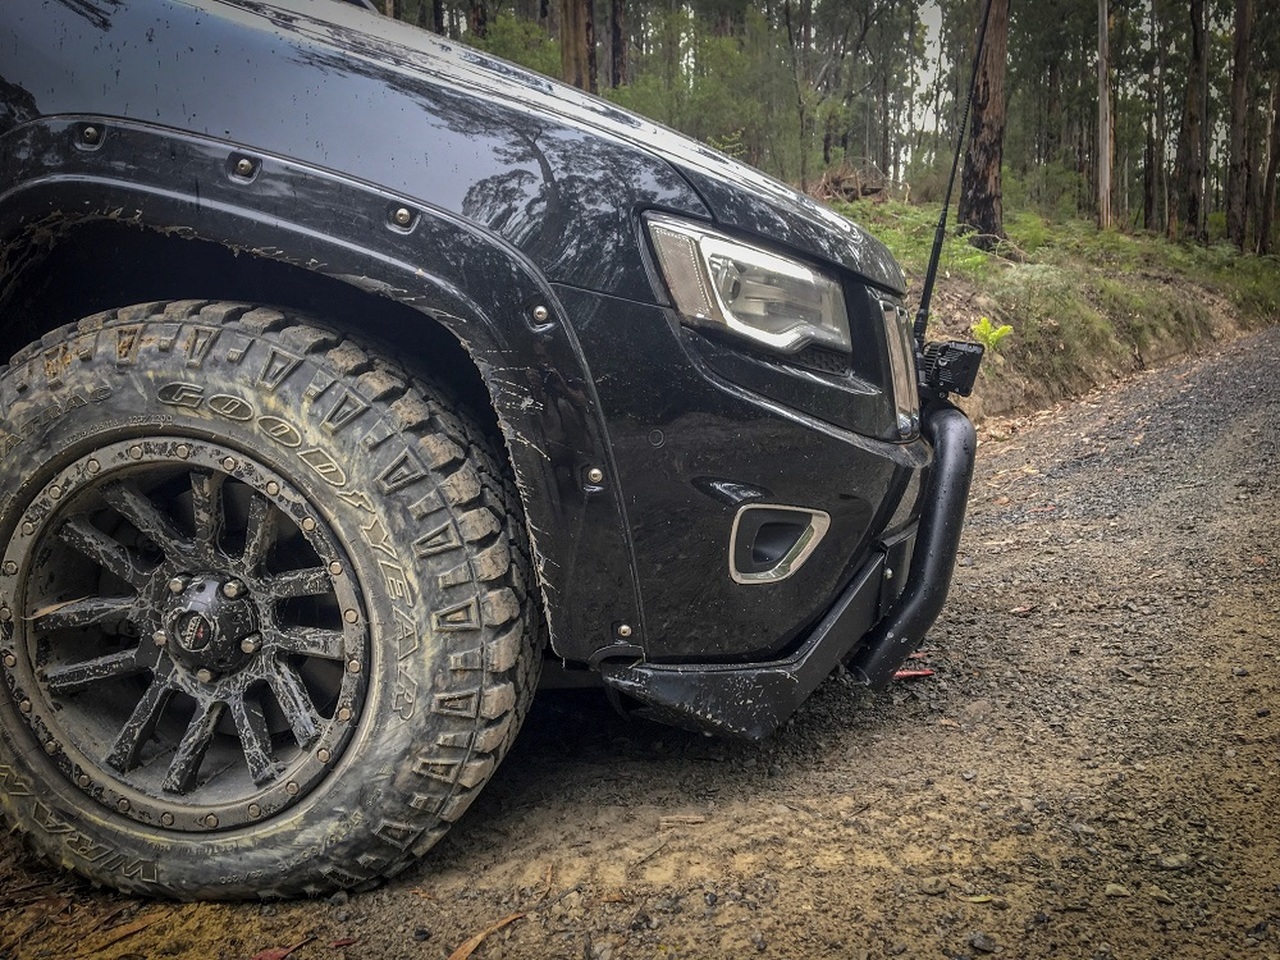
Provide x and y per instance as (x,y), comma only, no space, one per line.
(618,45)
(578,44)
(1267,213)
(1187,219)
(437,15)
(1104,118)
(1159,173)
(478,20)
(1238,174)
(981,207)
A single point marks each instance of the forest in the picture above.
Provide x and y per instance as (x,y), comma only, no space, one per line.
(1152,115)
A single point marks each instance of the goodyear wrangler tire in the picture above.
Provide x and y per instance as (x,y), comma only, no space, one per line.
(266,624)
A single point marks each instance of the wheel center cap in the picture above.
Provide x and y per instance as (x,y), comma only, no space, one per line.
(205,627)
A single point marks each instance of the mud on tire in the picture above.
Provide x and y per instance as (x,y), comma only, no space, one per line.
(266,623)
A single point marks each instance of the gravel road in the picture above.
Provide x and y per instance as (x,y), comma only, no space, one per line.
(1092,770)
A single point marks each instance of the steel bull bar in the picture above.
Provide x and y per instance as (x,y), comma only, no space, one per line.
(752,700)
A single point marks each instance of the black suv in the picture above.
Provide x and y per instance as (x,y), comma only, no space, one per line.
(357,376)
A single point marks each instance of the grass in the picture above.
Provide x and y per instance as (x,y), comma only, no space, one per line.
(1085,305)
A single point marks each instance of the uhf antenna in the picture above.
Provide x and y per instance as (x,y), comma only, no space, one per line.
(931,275)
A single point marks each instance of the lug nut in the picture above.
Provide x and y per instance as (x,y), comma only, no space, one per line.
(232,589)
(159,638)
(178,584)
(205,675)
(251,643)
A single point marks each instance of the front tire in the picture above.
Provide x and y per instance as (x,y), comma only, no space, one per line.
(265,615)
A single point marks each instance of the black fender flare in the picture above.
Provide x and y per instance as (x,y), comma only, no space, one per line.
(479,287)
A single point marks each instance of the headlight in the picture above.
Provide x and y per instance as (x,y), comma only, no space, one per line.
(725,284)
(902,366)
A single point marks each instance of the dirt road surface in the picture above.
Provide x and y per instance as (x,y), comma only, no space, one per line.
(1093,770)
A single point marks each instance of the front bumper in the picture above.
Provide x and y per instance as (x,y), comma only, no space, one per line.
(752,700)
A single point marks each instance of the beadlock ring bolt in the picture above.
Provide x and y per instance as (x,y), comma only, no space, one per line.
(10,660)
(624,629)
(166,819)
(6,614)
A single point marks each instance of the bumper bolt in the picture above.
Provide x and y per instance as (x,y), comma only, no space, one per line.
(251,643)
(90,135)
(403,217)
(595,475)
(204,675)
(888,573)
(541,313)
(244,167)
(624,629)
(232,589)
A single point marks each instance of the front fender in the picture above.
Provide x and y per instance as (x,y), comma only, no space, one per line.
(67,171)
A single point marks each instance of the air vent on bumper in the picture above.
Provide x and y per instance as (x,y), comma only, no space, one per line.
(769,542)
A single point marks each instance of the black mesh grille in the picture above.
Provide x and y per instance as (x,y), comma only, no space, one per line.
(825,361)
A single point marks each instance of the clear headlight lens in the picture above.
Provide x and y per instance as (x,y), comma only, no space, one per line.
(722,283)
(902,365)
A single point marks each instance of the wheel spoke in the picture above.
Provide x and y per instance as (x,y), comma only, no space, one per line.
(82,536)
(140,726)
(206,508)
(181,777)
(311,642)
(259,532)
(255,741)
(75,677)
(295,703)
(312,582)
(135,507)
(80,613)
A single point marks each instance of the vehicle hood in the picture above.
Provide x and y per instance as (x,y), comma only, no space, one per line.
(559,174)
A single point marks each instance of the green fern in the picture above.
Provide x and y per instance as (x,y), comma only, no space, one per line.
(990,336)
